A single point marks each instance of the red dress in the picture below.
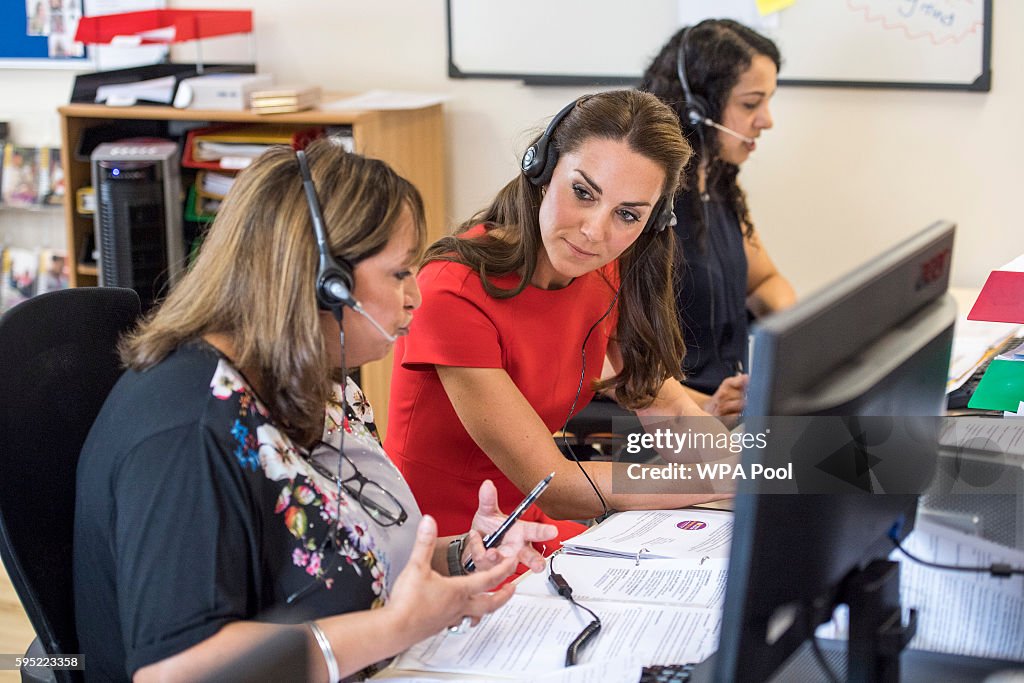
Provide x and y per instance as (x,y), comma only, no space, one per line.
(535,336)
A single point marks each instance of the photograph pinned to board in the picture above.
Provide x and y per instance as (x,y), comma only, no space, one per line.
(18,273)
(40,34)
(57,20)
(22,172)
(54,272)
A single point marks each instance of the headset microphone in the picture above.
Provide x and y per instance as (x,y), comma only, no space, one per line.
(358,308)
(334,277)
(730,131)
(696,106)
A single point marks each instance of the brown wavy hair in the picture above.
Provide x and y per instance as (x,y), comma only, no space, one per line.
(254,277)
(647,330)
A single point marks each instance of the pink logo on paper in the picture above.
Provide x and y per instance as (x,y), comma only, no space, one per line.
(691,525)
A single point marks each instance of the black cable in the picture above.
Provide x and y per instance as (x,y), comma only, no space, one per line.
(813,620)
(583,374)
(302,592)
(343,369)
(1002,570)
(563,588)
(709,250)
(820,656)
(579,389)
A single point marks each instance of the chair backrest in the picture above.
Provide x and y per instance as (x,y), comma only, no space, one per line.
(58,362)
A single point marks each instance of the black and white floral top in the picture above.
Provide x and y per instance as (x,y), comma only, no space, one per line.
(194,509)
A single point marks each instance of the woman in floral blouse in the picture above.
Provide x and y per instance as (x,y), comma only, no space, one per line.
(212,502)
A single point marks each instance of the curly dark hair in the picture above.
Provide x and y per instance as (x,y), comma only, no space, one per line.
(718,51)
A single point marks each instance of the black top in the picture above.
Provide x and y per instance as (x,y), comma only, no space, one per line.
(711,297)
(193,510)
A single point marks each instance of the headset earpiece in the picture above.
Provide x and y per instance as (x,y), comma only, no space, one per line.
(334,283)
(334,276)
(662,216)
(539,159)
(696,107)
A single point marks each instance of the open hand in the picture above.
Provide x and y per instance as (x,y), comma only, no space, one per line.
(424,602)
(516,543)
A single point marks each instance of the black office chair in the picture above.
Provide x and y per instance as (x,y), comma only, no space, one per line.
(58,362)
(598,432)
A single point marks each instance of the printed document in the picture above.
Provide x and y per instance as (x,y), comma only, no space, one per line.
(530,634)
(604,670)
(658,534)
(698,582)
(969,613)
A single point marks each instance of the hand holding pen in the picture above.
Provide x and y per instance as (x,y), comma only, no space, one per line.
(518,537)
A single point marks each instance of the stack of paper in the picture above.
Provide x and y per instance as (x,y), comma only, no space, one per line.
(656,611)
(215,184)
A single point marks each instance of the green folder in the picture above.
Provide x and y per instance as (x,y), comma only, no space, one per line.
(1001,387)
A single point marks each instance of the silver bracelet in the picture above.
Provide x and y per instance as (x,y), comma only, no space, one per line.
(333,671)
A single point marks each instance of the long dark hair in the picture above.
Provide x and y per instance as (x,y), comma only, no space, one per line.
(718,51)
(647,330)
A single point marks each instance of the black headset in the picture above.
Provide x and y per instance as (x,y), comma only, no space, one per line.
(697,108)
(540,158)
(335,279)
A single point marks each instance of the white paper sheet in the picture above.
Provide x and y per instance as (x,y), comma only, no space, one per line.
(969,613)
(606,671)
(673,582)
(658,534)
(530,635)
(386,99)
(990,435)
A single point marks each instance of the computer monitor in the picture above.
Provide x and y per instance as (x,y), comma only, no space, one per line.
(864,363)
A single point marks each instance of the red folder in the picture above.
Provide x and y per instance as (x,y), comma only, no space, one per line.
(1001,299)
(188,24)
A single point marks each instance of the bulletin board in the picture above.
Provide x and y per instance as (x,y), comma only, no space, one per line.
(916,44)
(19,50)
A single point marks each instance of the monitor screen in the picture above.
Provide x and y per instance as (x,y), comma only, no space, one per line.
(847,384)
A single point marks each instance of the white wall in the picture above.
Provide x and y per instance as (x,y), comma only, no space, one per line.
(845,173)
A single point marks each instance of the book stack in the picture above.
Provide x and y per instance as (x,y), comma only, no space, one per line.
(279,100)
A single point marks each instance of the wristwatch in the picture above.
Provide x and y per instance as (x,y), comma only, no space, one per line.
(455,548)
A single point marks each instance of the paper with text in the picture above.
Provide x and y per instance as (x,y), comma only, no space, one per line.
(530,634)
(985,434)
(606,671)
(696,583)
(658,534)
(968,613)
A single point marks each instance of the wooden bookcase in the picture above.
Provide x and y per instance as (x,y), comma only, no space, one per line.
(410,140)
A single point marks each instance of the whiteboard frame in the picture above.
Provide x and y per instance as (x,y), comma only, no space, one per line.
(983,83)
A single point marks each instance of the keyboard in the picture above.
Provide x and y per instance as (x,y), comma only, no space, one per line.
(667,673)
(959,398)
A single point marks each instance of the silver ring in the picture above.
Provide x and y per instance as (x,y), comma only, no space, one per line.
(464,625)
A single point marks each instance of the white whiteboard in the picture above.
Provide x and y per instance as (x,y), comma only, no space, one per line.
(940,44)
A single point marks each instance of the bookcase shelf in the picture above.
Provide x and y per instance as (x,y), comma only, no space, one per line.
(410,140)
